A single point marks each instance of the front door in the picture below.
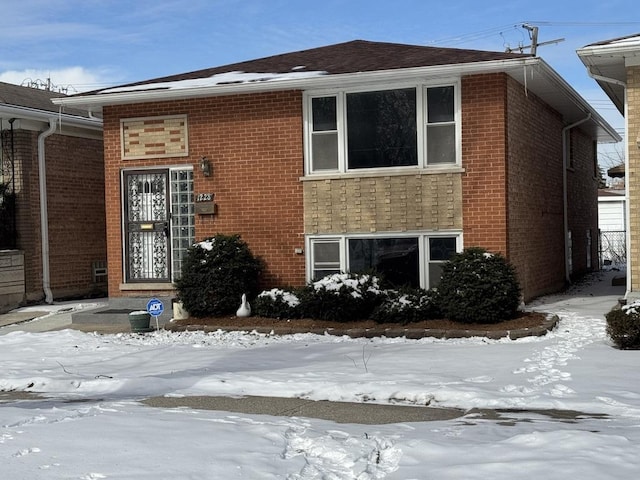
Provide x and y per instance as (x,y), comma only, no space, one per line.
(147,242)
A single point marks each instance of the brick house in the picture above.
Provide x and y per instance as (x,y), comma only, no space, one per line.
(52,158)
(615,66)
(352,156)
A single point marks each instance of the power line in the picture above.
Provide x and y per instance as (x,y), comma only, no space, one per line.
(585,24)
(499,30)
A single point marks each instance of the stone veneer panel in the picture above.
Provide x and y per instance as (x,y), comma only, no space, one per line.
(383,204)
(154,137)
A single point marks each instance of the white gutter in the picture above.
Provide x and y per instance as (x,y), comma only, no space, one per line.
(306,83)
(602,78)
(627,47)
(44,217)
(25,113)
(565,193)
(514,67)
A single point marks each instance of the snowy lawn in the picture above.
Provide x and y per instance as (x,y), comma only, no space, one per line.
(92,427)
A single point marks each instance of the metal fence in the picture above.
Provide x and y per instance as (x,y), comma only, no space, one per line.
(613,247)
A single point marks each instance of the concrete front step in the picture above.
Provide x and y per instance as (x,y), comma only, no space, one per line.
(118,310)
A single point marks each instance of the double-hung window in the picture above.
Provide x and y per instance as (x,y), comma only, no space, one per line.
(415,126)
(324,134)
(414,260)
(441,125)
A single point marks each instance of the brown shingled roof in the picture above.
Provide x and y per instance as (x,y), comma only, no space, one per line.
(34,98)
(349,57)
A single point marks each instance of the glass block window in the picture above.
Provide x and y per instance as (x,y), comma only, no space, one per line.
(183,232)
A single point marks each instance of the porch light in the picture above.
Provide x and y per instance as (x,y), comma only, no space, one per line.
(205,166)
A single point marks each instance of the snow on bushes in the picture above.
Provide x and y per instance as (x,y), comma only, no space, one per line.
(623,326)
(215,274)
(478,287)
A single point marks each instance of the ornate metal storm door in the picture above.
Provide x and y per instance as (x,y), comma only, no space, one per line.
(147,251)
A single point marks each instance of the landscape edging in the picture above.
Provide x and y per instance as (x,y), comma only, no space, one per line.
(395,332)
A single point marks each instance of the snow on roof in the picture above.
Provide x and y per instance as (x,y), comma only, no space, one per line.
(217,79)
(627,41)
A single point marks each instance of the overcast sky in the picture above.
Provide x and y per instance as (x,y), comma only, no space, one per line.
(88,44)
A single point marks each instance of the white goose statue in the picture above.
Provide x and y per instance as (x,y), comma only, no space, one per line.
(245,308)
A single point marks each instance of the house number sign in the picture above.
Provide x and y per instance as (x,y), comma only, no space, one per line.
(204,204)
(204,197)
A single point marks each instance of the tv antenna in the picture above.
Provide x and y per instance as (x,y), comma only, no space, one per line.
(533,36)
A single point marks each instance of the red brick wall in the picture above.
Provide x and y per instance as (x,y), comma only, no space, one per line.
(536,238)
(75,191)
(75,187)
(512,185)
(484,209)
(255,144)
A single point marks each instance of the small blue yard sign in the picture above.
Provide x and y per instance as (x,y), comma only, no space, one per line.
(155,307)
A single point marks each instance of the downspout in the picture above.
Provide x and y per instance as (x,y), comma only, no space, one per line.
(565,193)
(44,217)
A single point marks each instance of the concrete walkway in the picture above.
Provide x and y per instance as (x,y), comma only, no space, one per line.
(339,412)
(45,318)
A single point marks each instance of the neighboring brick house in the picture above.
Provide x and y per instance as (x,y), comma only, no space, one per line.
(60,216)
(615,66)
(352,156)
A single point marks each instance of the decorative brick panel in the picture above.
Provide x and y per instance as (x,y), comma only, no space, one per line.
(154,137)
(383,204)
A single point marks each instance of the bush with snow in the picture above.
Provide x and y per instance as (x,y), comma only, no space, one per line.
(340,297)
(478,287)
(623,326)
(215,274)
(277,303)
(406,306)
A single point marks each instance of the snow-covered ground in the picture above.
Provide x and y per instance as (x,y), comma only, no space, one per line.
(92,426)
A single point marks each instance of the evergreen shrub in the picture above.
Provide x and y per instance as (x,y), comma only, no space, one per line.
(215,274)
(478,287)
(406,306)
(623,326)
(341,297)
(277,303)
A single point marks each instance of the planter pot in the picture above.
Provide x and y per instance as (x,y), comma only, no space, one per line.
(140,321)
(179,312)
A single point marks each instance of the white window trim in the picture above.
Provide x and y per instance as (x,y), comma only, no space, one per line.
(421,124)
(423,248)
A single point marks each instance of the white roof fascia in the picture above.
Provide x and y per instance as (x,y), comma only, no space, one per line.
(307,83)
(621,48)
(11,111)
(516,68)
(580,102)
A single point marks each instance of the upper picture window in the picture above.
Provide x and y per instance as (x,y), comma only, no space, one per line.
(381,129)
(349,131)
